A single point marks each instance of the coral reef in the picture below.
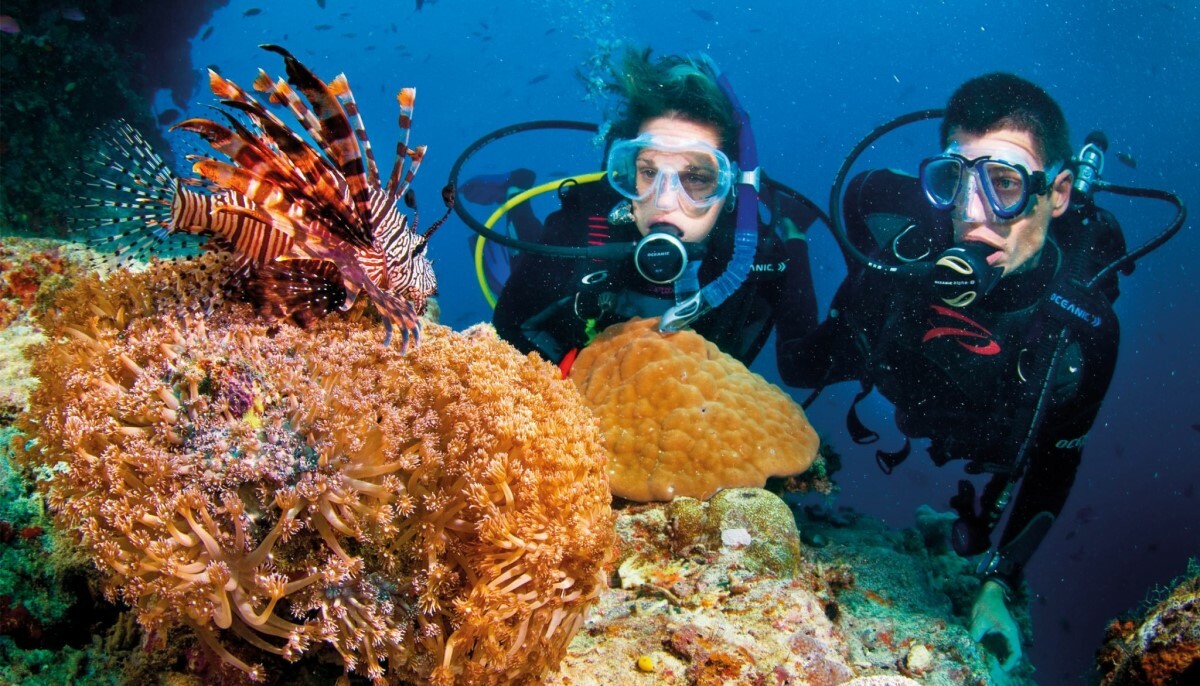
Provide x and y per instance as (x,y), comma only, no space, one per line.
(1161,646)
(441,516)
(681,418)
(31,272)
(691,604)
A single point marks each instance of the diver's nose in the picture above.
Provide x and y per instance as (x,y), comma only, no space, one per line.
(970,205)
(666,192)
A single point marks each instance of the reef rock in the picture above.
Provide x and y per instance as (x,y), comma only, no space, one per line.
(441,516)
(682,418)
(1161,647)
(690,605)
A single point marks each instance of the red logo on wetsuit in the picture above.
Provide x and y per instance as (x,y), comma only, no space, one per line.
(968,333)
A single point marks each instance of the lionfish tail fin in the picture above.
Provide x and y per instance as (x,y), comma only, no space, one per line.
(128,200)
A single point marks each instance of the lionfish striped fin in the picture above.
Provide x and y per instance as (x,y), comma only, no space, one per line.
(407,97)
(340,87)
(239,145)
(416,155)
(340,143)
(317,184)
(302,290)
(253,187)
(280,93)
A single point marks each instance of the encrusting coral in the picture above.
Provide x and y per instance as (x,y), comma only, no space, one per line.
(440,516)
(1162,645)
(682,418)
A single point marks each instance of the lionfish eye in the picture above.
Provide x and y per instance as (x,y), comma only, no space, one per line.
(410,199)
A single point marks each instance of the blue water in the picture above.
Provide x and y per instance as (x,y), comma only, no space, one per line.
(815,80)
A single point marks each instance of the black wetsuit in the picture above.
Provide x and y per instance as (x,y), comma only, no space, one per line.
(545,305)
(962,377)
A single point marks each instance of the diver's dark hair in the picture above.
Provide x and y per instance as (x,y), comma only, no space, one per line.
(995,101)
(671,85)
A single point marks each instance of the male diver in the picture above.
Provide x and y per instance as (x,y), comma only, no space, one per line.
(699,254)
(995,355)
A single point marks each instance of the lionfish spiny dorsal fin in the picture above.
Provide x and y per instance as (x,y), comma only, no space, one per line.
(317,185)
(407,97)
(415,155)
(340,143)
(340,87)
(280,93)
(239,145)
(324,191)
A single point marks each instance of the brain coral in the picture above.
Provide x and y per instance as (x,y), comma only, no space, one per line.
(440,516)
(681,418)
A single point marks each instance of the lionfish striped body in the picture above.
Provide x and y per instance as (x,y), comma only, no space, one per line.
(311,227)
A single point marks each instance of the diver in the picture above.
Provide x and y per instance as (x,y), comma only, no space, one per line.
(683,193)
(979,302)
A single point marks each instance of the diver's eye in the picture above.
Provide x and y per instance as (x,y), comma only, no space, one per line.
(647,173)
(698,181)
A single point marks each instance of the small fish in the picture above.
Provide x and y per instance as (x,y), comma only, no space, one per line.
(169,116)
(369,48)
(72,14)
(549,31)
(321,4)
(705,15)
(349,34)
(207,33)
(1127,160)
(9,25)
(343,15)
(323,27)
(537,79)
(252,11)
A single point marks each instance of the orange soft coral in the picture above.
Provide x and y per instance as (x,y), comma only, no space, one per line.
(681,418)
(440,517)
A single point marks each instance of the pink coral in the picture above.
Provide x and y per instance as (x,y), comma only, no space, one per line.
(441,516)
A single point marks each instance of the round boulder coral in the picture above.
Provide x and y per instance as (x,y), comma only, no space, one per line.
(682,418)
(439,517)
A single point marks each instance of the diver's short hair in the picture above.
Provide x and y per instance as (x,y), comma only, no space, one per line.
(677,85)
(994,101)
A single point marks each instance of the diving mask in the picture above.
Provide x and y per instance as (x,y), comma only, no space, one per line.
(952,180)
(655,166)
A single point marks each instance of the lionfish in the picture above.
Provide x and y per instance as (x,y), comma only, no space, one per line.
(309,228)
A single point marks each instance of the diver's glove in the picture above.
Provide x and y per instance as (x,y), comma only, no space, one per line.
(683,314)
(991,620)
